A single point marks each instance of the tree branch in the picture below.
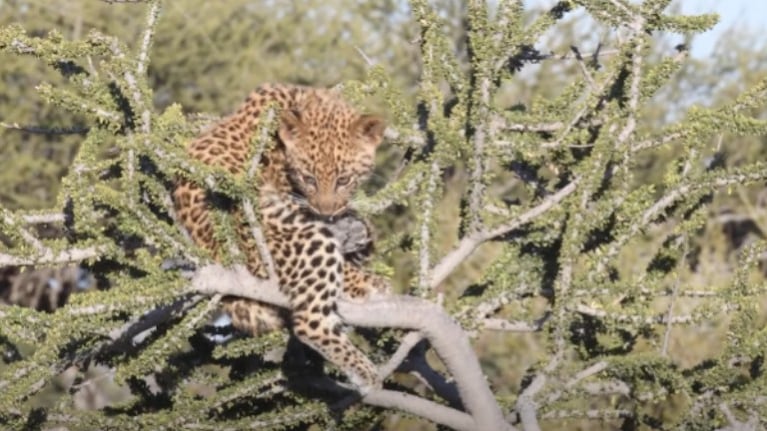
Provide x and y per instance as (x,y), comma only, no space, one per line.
(422,407)
(470,242)
(45,130)
(447,337)
(48,256)
(43,218)
(237,281)
(143,55)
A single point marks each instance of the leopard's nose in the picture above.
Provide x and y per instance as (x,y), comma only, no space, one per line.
(326,205)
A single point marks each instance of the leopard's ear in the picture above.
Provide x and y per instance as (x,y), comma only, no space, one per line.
(291,127)
(371,129)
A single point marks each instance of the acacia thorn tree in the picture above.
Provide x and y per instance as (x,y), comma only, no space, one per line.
(528,217)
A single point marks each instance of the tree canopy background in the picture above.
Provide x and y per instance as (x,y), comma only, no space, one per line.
(672,301)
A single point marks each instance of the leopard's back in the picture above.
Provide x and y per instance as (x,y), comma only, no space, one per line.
(225,145)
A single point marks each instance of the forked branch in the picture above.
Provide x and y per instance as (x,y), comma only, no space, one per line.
(446,336)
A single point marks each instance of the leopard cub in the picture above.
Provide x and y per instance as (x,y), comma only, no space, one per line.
(323,150)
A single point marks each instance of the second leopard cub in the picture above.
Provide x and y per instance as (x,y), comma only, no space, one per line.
(323,150)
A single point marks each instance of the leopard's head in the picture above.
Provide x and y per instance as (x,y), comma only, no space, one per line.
(329,148)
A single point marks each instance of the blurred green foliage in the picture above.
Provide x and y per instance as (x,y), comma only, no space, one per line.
(206,56)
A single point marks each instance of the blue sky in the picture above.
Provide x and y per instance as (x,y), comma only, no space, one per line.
(732,14)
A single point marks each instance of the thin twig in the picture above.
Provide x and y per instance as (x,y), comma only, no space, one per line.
(143,55)
(43,218)
(582,65)
(654,143)
(10,220)
(262,139)
(540,127)
(667,200)
(495,324)
(258,237)
(378,205)
(424,255)
(265,127)
(406,345)
(636,76)
(615,387)
(470,243)
(482,132)
(673,297)
(627,318)
(364,56)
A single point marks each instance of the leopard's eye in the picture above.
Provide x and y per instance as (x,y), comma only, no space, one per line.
(309,180)
(342,180)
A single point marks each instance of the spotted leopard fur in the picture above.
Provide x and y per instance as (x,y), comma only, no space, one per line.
(323,150)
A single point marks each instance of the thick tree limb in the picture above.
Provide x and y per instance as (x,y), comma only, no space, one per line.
(423,408)
(237,281)
(447,337)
